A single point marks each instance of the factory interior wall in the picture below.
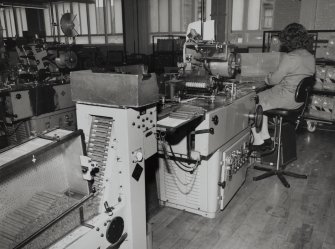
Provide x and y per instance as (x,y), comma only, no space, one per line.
(313,14)
(286,12)
(318,14)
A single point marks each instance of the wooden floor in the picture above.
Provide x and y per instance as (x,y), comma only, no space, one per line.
(265,214)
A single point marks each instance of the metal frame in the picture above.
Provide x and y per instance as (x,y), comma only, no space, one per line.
(41,150)
(267,35)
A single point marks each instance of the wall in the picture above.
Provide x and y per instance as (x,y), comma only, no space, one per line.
(286,12)
(318,14)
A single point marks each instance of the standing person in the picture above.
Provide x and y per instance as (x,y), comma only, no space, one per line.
(296,64)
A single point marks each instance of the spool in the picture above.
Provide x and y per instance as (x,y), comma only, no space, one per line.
(220,68)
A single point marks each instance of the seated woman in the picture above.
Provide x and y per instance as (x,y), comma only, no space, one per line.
(296,64)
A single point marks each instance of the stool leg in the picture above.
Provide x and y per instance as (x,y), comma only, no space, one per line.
(263,176)
(279,143)
(292,174)
(262,168)
(283,180)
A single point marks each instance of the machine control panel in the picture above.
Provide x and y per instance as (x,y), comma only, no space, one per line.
(236,160)
(234,166)
(145,120)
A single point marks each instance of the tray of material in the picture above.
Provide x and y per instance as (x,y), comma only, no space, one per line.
(41,209)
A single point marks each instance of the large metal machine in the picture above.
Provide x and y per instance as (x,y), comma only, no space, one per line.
(84,189)
(35,92)
(204,136)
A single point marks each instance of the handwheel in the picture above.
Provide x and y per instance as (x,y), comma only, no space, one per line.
(257,118)
(311,125)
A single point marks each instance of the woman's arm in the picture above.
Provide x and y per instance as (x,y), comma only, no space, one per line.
(284,67)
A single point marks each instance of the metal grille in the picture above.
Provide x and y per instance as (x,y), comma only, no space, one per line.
(98,144)
(181,187)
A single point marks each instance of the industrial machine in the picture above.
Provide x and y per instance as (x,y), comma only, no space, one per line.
(34,108)
(84,189)
(204,133)
(35,93)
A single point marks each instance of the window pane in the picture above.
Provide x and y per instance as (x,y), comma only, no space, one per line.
(208,9)
(10,22)
(54,28)
(67,8)
(268,16)
(83,18)
(19,21)
(47,22)
(163,16)
(118,16)
(197,9)
(110,16)
(237,16)
(93,20)
(76,13)
(153,9)
(2,23)
(100,16)
(254,14)
(60,8)
(24,19)
(176,20)
(187,10)
(82,40)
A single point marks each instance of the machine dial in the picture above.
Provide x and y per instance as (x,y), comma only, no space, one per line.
(139,156)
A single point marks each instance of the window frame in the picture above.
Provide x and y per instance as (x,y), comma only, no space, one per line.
(170,29)
(89,36)
(261,27)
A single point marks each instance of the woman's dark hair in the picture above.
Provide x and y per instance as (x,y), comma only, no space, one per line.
(295,36)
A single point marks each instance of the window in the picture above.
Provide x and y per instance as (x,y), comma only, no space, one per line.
(251,15)
(96,22)
(8,17)
(254,8)
(173,16)
(237,15)
(268,16)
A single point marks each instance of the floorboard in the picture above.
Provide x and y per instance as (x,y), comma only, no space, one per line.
(265,214)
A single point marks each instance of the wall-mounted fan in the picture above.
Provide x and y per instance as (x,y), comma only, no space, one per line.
(68,24)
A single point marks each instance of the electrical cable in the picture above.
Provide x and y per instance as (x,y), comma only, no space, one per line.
(186,166)
(175,176)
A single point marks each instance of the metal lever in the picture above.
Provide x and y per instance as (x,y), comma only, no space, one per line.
(210,131)
(107,207)
(189,139)
(222,184)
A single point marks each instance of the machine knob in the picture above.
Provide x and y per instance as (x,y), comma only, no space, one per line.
(229,161)
(215,120)
(139,156)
